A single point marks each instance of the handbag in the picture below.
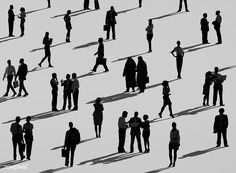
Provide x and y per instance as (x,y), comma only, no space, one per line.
(105,27)
(147,79)
(64,152)
(15,84)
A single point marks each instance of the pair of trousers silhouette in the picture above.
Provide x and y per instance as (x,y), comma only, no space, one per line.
(224,134)
(9,84)
(179,64)
(49,3)
(47,55)
(101,61)
(137,136)
(17,141)
(218,33)
(217,88)
(54,99)
(166,102)
(71,152)
(28,148)
(111,26)
(22,87)
(66,96)
(75,98)
(86,4)
(180,5)
(22,26)
(11,26)
(149,39)
(204,37)
(140,3)
(122,135)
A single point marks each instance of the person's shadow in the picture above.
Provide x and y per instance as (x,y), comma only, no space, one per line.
(122,59)
(199,48)
(38,69)
(167,15)
(61,15)
(33,11)
(10,163)
(77,14)
(4,99)
(55,45)
(158,170)
(227,68)
(54,170)
(9,39)
(93,43)
(125,11)
(89,74)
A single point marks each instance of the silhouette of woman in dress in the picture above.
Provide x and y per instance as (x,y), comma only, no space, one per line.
(98,117)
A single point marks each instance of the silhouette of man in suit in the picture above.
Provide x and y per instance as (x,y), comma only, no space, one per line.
(75,90)
(135,123)
(218,79)
(54,84)
(204,28)
(22,72)
(122,125)
(86,4)
(111,22)
(217,25)
(220,127)
(11,19)
(49,3)
(180,5)
(67,91)
(179,58)
(28,130)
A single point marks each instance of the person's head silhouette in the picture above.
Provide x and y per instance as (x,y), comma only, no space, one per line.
(178,43)
(136,114)
(21,61)
(150,21)
(205,15)
(22,9)
(46,34)
(68,12)
(9,62)
(165,83)
(74,75)
(216,69)
(70,125)
(221,110)
(17,119)
(145,117)
(28,118)
(68,76)
(100,40)
(217,12)
(174,125)
(11,7)
(98,100)
(54,75)
(124,114)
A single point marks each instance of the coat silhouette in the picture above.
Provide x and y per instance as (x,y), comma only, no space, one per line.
(129,73)
(204,28)
(11,19)
(28,130)
(217,26)
(141,74)
(66,91)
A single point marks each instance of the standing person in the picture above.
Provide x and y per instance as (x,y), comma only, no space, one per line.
(206,88)
(86,4)
(166,98)
(204,28)
(218,79)
(149,30)
(98,117)
(49,3)
(146,133)
(75,90)
(111,22)
(174,143)
(141,74)
(100,59)
(220,127)
(54,84)
(67,91)
(135,124)
(217,25)
(47,43)
(22,72)
(10,72)
(17,138)
(28,130)
(11,19)
(129,73)
(96,5)
(72,139)
(22,20)
(122,125)
(67,20)
(140,3)
(180,5)
(179,58)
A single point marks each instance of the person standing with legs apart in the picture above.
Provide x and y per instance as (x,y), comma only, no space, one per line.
(22,72)
(141,74)
(22,21)
(204,28)
(98,117)
(67,20)
(146,133)
(149,30)
(122,125)
(217,25)
(180,5)
(11,19)
(67,91)
(111,22)
(179,58)
(130,74)
(54,84)
(28,130)
(10,72)
(206,88)
(75,90)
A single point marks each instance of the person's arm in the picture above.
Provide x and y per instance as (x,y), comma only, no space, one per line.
(172,52)
(226,121)
(4,75)
(65,142)
(215,125)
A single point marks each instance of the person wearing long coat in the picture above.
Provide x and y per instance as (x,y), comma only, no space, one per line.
(141,74)
(98,117)
(129,74)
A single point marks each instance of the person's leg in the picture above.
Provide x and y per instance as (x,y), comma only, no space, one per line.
(145,144)
(105,66)
(120,140)
(162,109)
(49,58)
(75,99)
(218,142)
(108,31)
(140,3)
(170,109)
(221,94)
(54,100)
(99,130)
(11,24)
(148,144)
(14,143)
(179,62)
(96,65)
(122,133)
(186,5)
(215,89)
(139,143)
(170,154)
(224,133)
(69,100)
(9,79)
(28,149)
(132,143)
(64,100)
(23,88)
(49,4)
(96,130)
(20,149)
(175,157)
(219,35)
(20,86)
(72,154)
(67,156)
(10,84)
(113,31)
(46,55)
(180,5)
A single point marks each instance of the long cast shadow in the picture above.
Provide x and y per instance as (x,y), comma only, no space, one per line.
(55,45)
(4,99)
(158,170)
(4,37)
(73,12)
(89,74)
(167,15)
(227,68)
(195,45)
(124,11)
(38,69)
(10,38)
(122,59)
(93,43)
(10,163)
(33,11)
(54,170)
(77,14)
(199,48)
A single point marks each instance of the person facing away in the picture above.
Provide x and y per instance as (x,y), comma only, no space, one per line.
(72,139)
(10,72)
(111,22)
(218,79)
(22,21)
(67,20)
(220,127)
(141,74)
(100,59)
(217,25)
(98,117)
(22,73)
(54,84)
(146,133)
(174,144)
(17,138)
(149,30)
(180,5)
(129,73)
(47,43)
(11,19)
(75,90)
(179,58)
(206,88)
(166,98)
(122,126)
(135,124)
(28,130)
(66,91)
(204,28)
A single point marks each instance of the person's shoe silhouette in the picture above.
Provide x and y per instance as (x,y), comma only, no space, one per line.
(26,94)
(39,64)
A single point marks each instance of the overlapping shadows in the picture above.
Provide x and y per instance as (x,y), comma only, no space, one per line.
(196,48)
(122,59)
(4,99)
(9,39)
(167,15)
(158,170)
(54,170)
(38,69)
(74,13)
(33,11)
(55,45)
(90,74)
(125,11)
(93,43)
(10,163)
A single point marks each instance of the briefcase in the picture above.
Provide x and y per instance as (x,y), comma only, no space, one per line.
(105,27)
(64,152)
(15,84)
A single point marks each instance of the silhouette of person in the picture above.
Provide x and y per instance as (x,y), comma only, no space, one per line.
(218,79)
(206,88)
(135,124)
(75,90)
(22,73)
(111,22)
(179,58)
(149,30)
(54,84)
(72,138)
(86,4)
(96,4)
(28,130)
(11,19)
(98,117)
(129,74)
(122,125)
(22,20)
(220,127)
(146,133)
(47,43)
(67,91)
(204,28)
(10,72)
(49,3)
(141,74)
(17,138)
(140,3)
(180,5)
(100,59)
(166,98)
(67,20)
(174,143)
(217,25)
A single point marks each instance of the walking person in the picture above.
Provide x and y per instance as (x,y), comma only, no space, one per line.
(204,28)
(185,4)
(66,91)
(11,19)
(220,127)
(75,90)
(22,21)
(86,4)
(17,138)
(149,30)
(54,84)
(141,74)
(129,73)
(179,58)
(146,133)
(96,5)
(122,125)
(217,25)
(111,22)
(47,43)
(206,88)
(67,20)
(98,117)
(166,98)
(28,130)
(10,72)
(174,144)
(22,73)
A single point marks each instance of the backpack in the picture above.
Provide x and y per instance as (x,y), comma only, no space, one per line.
(75,136)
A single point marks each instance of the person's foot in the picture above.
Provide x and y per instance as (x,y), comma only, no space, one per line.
(150,51)
(187,10)
(179,10)
(214,104)
(22,158)
(106,70)
(28,158)
(107,38)
(39,64)
(172,115)
(55,110)
(75,109)
(114,38)
(173,165)
(131,151)
(5,95)
(227,145)
(93,70)
(50,65)
(11,35)
(25,94)
(148,150)
(170,164)
(66,165)
(222,104)
(19,95)
(179,77)
(63,109)
(69,108)
(160,115)
(126,91)
(219,43)
(203,104)
(217,146)
(71,165)
(22,35)
(14,95)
